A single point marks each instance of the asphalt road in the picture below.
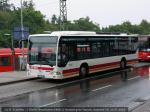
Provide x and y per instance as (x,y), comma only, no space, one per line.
(111,90)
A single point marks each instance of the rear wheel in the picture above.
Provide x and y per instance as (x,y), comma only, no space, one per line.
(140,60)
(83,71)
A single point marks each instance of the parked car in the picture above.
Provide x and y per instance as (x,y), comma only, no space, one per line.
(144,54)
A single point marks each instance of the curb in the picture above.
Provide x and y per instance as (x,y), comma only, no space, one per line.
(17,81)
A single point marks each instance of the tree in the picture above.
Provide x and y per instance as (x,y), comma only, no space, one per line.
(54,19)
(37,23)
(127,27)
(83,24)
(145,27)
(5,20)
(32,18)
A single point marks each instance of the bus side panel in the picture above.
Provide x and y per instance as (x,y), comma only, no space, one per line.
(7,66)
(98,64)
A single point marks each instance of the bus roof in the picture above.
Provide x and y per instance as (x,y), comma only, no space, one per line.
(66,33)
(79,33)
(73,33)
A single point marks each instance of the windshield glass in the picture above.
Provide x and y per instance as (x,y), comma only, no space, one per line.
(145,49)
(42,50)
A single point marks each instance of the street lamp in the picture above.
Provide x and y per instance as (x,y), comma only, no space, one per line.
(13,51)
(22,34)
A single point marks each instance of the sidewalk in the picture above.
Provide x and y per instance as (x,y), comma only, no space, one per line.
(14,77)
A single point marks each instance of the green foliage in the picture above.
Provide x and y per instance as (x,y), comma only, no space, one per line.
(54,19)
(31,18)
(35,20)
(5,41)
(126,27)
(84,24)
(145,27)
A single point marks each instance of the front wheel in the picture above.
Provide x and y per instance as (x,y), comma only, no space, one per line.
(123,64)
(83,71)
(140,60)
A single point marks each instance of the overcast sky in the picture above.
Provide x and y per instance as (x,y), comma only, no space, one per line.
(103,12)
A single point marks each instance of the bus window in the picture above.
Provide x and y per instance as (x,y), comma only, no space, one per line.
(42,50)
(83,51)
(112,50)
(68,48)
(5,61)
(96,50)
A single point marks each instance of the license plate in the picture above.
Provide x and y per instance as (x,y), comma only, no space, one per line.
(41,76)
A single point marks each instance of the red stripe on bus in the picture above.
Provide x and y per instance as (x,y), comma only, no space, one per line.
(70,70)
(96,68)
(44,68)
(40,68)
(74,71)
(71,73)
(134,60)
(104,65)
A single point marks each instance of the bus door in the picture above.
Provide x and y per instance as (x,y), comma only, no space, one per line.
(66,55)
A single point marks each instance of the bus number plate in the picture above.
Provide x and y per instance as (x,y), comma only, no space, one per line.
(41,76)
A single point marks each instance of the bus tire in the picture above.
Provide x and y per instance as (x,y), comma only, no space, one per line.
(83,70)
(123,64)
(139,60)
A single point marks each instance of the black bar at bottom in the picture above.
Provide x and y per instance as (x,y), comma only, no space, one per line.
(64,109)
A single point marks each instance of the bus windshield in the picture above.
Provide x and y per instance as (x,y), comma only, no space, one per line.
(42,50)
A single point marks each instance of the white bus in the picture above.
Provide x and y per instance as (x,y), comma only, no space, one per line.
(67,54)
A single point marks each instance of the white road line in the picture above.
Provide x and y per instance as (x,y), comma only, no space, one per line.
(53,103)
(134,78)
(101,88)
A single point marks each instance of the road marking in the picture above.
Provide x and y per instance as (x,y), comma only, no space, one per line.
(134,78)
(53,103)
(102,88)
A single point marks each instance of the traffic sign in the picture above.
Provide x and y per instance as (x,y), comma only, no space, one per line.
(17,33)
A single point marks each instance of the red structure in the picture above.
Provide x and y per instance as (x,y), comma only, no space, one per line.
(6,58)
(144,55)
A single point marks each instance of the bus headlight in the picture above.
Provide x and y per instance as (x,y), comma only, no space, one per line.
(55,73)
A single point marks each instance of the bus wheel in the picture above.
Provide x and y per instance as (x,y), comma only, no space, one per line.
(83,71)
(140,60)
(123,64)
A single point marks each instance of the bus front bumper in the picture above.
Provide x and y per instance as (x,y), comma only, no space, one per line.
(48,76)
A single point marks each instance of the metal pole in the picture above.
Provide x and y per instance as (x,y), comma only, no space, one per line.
(13,52)
(22,35)
(63,14)
(60,16)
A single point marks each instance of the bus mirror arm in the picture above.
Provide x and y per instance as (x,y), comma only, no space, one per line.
(20,42)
